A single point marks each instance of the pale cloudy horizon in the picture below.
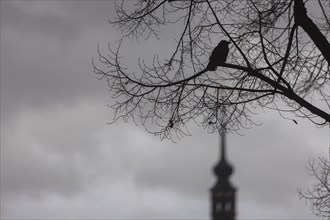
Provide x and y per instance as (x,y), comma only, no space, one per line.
(60,159)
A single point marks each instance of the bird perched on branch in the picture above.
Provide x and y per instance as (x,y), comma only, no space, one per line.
(219,55)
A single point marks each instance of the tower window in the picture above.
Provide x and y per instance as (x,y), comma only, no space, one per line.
(228,206)
(218,207)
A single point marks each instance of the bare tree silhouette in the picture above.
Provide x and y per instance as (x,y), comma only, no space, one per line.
(318,196)
(278,59)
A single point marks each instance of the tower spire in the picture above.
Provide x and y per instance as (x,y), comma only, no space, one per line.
(223,193)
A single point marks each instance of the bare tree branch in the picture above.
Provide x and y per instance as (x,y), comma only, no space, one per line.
(318,196)
(271,63)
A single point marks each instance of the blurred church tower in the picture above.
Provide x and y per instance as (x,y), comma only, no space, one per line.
(223,193)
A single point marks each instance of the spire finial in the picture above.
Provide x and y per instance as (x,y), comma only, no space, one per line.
(223,144)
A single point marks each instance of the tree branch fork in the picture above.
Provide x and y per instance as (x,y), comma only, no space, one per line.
(139,85)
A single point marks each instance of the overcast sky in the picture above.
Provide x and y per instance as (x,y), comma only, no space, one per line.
(59,158)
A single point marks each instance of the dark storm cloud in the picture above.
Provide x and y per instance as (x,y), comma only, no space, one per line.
(46,50)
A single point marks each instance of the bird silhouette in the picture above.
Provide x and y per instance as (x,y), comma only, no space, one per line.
(219,55)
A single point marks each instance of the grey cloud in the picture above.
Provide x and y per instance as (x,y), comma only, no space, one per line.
(184,167)
(40,156)
(39,71)
(55,144)
(49,25)
(55,149)
(91,13)
(70,157)
(111,201)
(26,172)
(269,164)
(64,149)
